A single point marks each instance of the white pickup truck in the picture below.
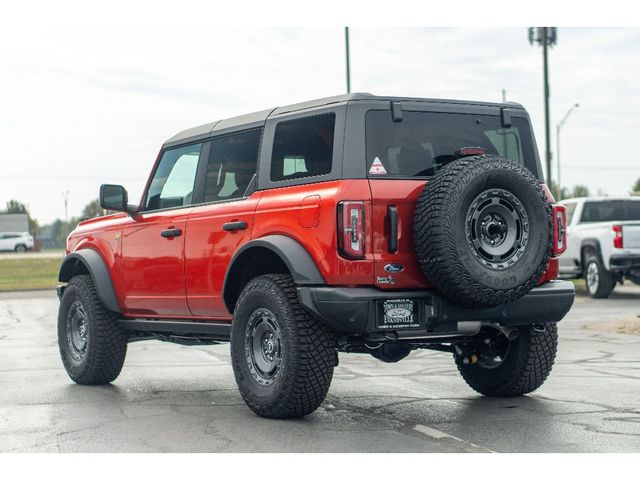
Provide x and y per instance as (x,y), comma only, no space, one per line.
(603,242)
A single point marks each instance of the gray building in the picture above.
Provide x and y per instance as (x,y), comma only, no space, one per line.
(14,222)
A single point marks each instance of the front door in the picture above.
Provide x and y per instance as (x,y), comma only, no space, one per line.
(223,223)
(153,240)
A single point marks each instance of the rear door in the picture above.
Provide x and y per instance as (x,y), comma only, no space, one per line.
(224,220)
(152,265)
(401,155)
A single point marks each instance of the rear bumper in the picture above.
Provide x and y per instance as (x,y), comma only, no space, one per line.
(624,263)
(354,310)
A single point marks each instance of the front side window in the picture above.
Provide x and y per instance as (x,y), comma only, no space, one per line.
(424,142)
(232,163)
(173,180)
(303,147)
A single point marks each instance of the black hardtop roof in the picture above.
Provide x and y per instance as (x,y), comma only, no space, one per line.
(258,118)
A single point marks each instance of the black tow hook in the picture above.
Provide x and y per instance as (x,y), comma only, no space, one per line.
(539,327)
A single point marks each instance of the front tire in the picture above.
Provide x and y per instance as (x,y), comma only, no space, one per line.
(21,248)
(92,344)
(282,358)
(514,367)
(599,282)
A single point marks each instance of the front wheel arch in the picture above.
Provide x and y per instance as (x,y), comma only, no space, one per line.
(88,261)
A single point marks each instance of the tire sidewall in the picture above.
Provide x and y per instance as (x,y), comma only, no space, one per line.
(538,243)
(76,369)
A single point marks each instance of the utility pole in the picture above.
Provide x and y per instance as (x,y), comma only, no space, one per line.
(346,44)
(65,196)
(547,37)
(558,127)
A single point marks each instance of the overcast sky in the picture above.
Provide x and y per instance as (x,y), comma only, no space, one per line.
(81,107)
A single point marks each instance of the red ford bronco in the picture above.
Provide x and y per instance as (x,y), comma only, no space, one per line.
(357,224)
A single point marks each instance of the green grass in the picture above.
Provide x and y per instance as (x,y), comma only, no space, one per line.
(29,273)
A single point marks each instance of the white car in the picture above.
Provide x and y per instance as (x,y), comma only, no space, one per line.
(603,242)
(16,241)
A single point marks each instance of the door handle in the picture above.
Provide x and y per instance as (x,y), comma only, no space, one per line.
(171,232)
(392,213)
(230,226)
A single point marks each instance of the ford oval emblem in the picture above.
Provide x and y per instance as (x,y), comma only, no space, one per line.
(393,268)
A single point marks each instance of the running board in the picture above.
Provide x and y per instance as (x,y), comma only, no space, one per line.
(217,329)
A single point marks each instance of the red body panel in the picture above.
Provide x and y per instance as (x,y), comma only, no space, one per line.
(209,250)
(403,194)
(283,210)
(152,267)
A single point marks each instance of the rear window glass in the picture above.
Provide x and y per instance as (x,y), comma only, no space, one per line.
(303,147)
(610,211)
(424,142)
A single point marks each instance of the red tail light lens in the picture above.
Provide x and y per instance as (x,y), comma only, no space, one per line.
(351,229)
(559,230)
(618,240)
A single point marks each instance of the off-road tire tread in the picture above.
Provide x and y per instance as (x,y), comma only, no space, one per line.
(108,342)
(533,362)
(436,246)
(308,381)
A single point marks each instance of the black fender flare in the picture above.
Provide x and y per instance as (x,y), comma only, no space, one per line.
(99,272)
(296,258)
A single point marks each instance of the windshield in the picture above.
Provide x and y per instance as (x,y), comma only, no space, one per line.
(610,211)
(424,142)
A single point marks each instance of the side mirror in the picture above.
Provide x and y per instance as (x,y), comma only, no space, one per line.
(113,197)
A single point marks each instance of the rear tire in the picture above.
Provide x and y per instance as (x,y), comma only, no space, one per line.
(282,358)
(599,282)
(92,344)
(525,366)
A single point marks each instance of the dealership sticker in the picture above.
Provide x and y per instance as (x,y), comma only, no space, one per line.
(377,168)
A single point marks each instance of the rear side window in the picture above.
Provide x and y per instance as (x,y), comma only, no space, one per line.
(303,147)
(424,142)
(610,211)
(231,165)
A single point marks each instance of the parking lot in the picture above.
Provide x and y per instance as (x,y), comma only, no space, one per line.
(172,398)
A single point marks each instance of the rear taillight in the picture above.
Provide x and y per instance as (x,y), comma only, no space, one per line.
(351,229)
(618,240)
(559,229)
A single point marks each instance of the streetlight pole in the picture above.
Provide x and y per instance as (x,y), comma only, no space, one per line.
(547,37)
(558,127)
(346,44)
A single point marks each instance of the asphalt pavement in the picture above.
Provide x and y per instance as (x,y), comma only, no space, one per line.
(172,398)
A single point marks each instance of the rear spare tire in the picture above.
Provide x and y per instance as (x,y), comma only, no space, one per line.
(483,231)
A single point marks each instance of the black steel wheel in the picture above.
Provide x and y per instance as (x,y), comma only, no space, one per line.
(497,228)
(263,346)
(92,344)
(77,330)
(282,357)
(483,231)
